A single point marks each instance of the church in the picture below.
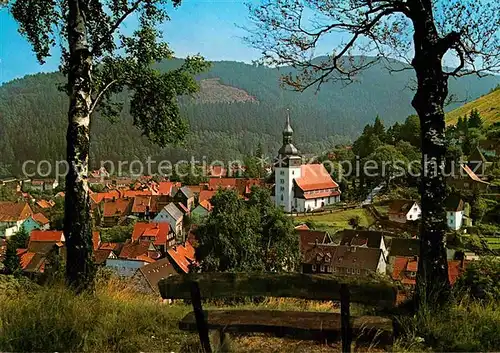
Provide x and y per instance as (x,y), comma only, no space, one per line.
(301,187)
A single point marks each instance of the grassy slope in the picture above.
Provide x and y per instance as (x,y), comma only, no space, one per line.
(338,220)
(487,105)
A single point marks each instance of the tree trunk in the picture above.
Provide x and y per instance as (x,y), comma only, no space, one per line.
(77,219)
(433,286)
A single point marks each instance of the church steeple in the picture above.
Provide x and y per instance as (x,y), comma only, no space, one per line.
(288,148)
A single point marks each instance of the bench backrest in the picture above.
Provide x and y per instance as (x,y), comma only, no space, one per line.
(369,291)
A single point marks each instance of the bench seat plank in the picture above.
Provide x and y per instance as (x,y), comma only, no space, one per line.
(304,325)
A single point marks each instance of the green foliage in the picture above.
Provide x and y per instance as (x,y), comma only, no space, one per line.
(117,234)
(16,241)
(244,236)
(482,279)
(7,194)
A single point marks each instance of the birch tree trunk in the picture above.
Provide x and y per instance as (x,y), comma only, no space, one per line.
(433,285)
(77,220)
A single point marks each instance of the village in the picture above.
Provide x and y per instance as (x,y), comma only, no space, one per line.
(144,229)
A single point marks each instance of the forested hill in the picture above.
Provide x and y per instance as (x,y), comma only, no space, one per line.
(239,107)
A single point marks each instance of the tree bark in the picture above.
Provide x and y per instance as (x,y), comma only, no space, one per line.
(433,286)
(77,219)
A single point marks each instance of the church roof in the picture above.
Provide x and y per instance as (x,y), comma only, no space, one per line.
(315,177)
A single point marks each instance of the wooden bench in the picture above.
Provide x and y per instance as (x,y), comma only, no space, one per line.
(298,324)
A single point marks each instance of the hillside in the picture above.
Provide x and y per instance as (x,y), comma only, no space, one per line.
(239,106)
(488,107)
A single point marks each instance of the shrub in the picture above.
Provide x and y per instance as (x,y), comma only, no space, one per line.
(482,279)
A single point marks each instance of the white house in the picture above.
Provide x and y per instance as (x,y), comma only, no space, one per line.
(12,217)
(301,187)
(402,211)
(455,212)
(171,214)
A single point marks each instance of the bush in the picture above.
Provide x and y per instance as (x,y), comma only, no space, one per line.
(482,279)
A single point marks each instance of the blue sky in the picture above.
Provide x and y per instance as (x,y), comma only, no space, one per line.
(197,26)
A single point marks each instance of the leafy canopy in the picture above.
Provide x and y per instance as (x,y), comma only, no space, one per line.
(121,62)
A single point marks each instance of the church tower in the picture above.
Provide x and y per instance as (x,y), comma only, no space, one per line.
(286,169)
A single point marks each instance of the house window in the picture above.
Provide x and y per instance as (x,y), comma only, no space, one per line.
(322,268)
(348,270)
(315,202)
(293,172)
(314,268)
(328,270)
(358,271)
(334,269)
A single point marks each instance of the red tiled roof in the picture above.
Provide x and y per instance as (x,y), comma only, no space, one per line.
(43,204)
(101,255)
(165,187)
(140,203)
(401,207)
(14,211)
(308,238)
(25,258)
(134,193)
(206,195)
(182,255)
(206,205)
(96,240)
(133,249)
(217,171)
(196,189)
(315,177)
(118,207)
(47,235)
(102,196)
(40,219)
(215,183)
(159,231)
(109,246)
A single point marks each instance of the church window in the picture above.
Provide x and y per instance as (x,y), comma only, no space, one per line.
(282,188)
(315,202)
(281,197)
(282,172)
(282,181)
(293,172)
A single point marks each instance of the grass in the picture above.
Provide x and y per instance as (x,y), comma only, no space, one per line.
(487,105)
(338,219)
(467,326)
(493,243)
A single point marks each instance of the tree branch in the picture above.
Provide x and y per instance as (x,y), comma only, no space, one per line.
(117,24)
(99,96)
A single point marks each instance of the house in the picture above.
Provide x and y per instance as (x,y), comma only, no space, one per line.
(171,214)
(147,277)
(96,240)
(402,211)
(203,209)
(455,212)
(309,238)
(116,211)
(301,187)
(302,226)
(478,162)
(53,236)
(405,272)
(344,260)
(145,206)
(182,256)
(161,234)
(12,216)
(50,184)
(185,196)
(206,195)
(44,248)
(36,221)
(100,173)
(363,238)
(36,185)
(217,171)
(133,256)
(101,256)
(466,179)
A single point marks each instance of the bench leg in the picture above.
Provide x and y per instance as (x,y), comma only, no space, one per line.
(201,322)
(345,319)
